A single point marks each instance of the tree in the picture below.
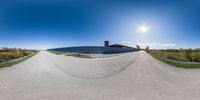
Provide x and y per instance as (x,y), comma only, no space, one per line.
(147,49)
(138,47)
(187,55)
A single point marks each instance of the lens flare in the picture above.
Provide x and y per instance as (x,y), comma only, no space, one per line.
(143,28)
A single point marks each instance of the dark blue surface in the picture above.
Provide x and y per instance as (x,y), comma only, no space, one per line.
(94,50)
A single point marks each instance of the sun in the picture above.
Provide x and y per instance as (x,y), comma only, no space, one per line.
(143,28)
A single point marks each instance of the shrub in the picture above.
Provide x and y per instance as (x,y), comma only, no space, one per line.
(7,54)
(185,55)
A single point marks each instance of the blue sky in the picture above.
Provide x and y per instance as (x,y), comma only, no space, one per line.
(58,23)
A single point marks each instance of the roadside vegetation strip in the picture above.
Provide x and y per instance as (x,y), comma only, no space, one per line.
(15,61)
(11,56)
(8,54)
(166,57)
(79,55)
(178,64)
(57,52)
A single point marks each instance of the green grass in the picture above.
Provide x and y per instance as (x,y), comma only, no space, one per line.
(79,55)
(15,61)
(177,64)
(57,52)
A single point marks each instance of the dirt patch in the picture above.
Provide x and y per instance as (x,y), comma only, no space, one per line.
(80,55)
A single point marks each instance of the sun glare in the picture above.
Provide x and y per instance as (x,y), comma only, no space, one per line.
(143,28)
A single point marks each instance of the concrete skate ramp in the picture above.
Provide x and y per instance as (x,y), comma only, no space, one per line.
(92,68)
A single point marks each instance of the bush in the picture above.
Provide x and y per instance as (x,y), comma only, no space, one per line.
(185,55)
(147,49)
(7,54)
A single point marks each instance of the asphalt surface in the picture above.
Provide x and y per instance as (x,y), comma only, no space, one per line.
(134,76)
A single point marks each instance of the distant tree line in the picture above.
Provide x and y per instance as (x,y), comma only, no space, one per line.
(7,54)
(146,49)
(185,55)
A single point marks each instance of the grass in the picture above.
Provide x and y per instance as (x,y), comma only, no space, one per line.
(15,61)
(176,63)
(79,55)
(57,52)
